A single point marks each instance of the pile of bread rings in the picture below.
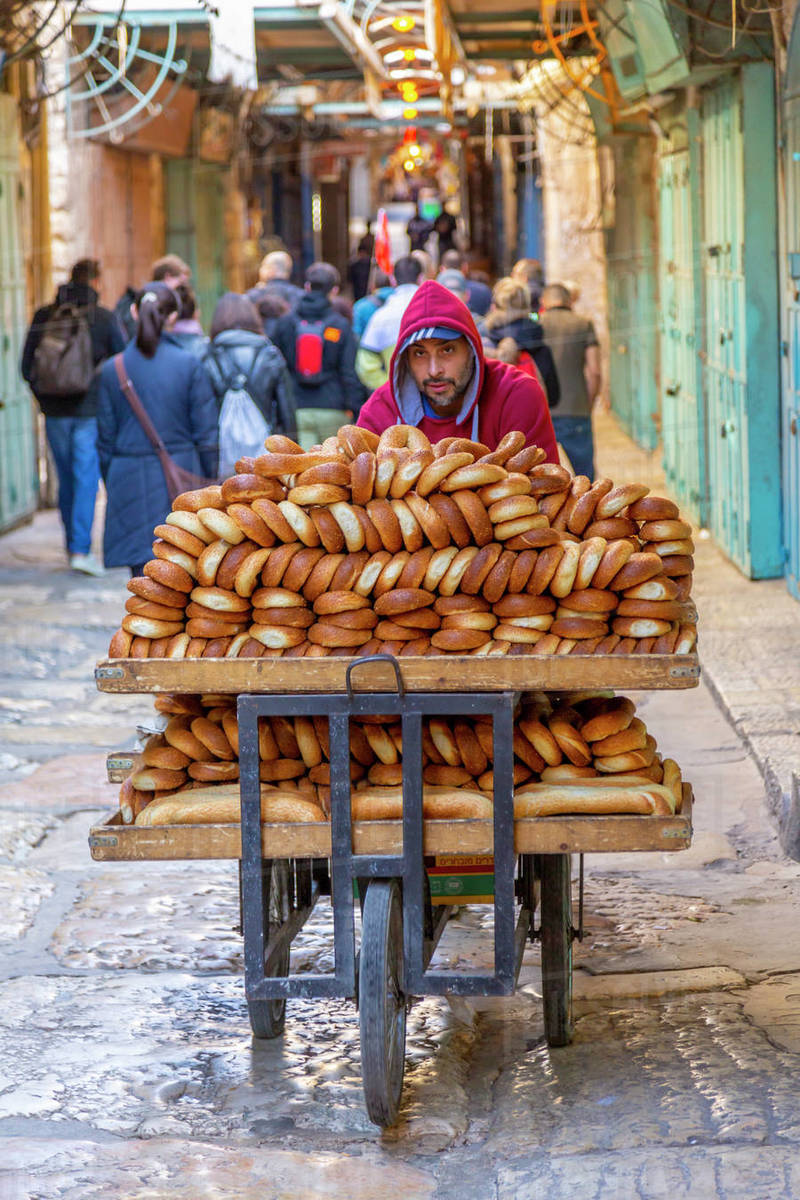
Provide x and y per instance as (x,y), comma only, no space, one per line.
(390,544)
(570,751)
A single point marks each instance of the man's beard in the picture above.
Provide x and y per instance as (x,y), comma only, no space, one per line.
(455,392)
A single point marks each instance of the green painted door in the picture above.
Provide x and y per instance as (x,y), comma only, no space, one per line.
(682,405)
(741,328)
(18,478)
(196,227)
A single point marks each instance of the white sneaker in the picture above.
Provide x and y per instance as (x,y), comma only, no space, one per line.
(87,564)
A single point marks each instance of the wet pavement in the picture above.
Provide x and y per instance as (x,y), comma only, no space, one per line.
(128,1069)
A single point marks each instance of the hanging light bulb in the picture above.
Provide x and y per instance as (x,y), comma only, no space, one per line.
(403,24)
(409,93)
(410,114)
(413,150)
(409,165)
(409,54)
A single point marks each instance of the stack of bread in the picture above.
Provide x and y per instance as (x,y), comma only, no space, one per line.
(562,744)
(393,545)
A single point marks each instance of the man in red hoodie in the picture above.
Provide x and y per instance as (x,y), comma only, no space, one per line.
(440,381)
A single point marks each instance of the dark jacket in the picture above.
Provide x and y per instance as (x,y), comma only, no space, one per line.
(339,387)
(287,291)
(176,393)
(529,336)
(106,338)
(238,351)
(188,334)
(122,311)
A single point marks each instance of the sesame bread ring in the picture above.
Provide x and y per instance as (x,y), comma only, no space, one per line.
(523,605)
(474,475)
(410,527)
(279,559)
(505,489)
(221,525)
(467,446)
(390,574)
(479,568)
(349,571)
(467,620)
(180,538)
(307,741)
(437,567)
(453,518)
(178,733)
(277,637)
(335,474)
(666,643)
(321,575)
(214,772)
(563,579)
(444,740)
(324,633)
(251,525)
(414,571)
(578,488)
(196,647)
(446,776)
(638,569)
(209,562)
(402,600)
(545,568)
(170,575)
(242,489)
(608,715)
(625,645)
(687,637)
(274,519)
(278,770)
(150,627)
(362,477)
(438,470)
(346,519)
(276,597)
(549,477)
(653,508)
(526,459)
(674,565)
(584,626)
(452,578)
(505,530)
(475,514)
(608,644)
(384,518)
(227,569)
(207,497)
(278,443)
(191,523)
(616,555)
(354,618)
(355,441)
(329,532)
(660,588)
(667,548)
(384,473)
(301,566)
(120,644)
(572,745)
(386,775)
(433,527)
(535,539)
(274,464)
(442,447)
(632,738)
(213,737)
(338,602)
(509,445)
(511,508)
(148,608)
(521,774)
(297,618)
(633,760)
(158,753)
(418,618)
(371,572)
(408,471)
(591,600)
(403,437)
(612,528)
(587,645)
(582,512)
(214,627)
(524,562)
(563,612)
(390,631)
(447,605)
(659,610)
(460,641)
(211,614)
(155,779)
(220,599)
(640,627)
(169,553)
(309,494)
(552,503)
(592,551)
(618,498)
(496,582)
(519,634)
(300,522)
(541,739)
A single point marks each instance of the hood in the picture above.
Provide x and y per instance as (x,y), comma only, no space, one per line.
(313,306)
(76,293)
(433,305)
(230,338)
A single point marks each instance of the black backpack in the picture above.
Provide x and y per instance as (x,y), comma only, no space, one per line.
(63,362)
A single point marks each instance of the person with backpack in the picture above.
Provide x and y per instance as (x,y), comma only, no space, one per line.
(173,389)
(365,308)
(251,383)
(510,318)
(320,350)
(66,342)
(380,335)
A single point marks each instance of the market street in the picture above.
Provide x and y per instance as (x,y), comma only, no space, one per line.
(129,1065)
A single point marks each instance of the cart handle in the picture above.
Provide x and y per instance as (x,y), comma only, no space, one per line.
(359,662)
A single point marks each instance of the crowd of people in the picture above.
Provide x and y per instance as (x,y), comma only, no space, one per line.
(134,394)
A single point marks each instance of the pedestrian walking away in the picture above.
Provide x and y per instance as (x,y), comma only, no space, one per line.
(66,342)
(169,269)
(419,229)
(441,382)
(176,394)
(380,336)
(187,332)
(320,351)
(275,279)
(574,346)
(368,305)
(510,317)
(239,358)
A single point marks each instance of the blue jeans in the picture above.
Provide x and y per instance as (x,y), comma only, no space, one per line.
(575,435)
(73,442)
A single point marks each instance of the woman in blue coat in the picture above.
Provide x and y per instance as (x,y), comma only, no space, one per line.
(177,396)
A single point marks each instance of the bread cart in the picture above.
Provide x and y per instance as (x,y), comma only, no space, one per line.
(283,867)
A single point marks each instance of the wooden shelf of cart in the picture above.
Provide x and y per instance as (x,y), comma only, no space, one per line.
(438,673)
(111,840)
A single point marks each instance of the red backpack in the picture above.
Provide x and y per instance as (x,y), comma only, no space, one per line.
(309,348)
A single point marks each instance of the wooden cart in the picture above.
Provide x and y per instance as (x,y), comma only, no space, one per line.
(285,867)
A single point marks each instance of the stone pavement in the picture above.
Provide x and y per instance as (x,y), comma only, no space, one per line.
(127,1064)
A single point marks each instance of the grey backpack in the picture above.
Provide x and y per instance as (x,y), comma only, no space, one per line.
(63,363)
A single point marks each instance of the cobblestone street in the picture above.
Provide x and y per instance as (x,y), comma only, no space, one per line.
(128,1066)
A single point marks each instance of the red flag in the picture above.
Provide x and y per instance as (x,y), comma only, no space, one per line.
(383,249)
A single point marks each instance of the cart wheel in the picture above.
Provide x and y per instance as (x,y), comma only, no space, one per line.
(556,934)
(268,1017)
(381,1002)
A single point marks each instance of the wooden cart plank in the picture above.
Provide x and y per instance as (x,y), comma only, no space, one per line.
(444,673)
(538,835)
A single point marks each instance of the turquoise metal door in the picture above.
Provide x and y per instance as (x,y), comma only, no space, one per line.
(18,478)
(790,417)
(196,227)
(682,404)
(741,346)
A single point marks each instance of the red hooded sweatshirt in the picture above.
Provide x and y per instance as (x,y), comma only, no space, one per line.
(500,397)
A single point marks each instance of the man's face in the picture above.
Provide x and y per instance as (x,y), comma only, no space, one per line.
(442,371)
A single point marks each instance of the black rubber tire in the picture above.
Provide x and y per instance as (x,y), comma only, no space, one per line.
(268,1017)
(556,934)
(381,1002)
